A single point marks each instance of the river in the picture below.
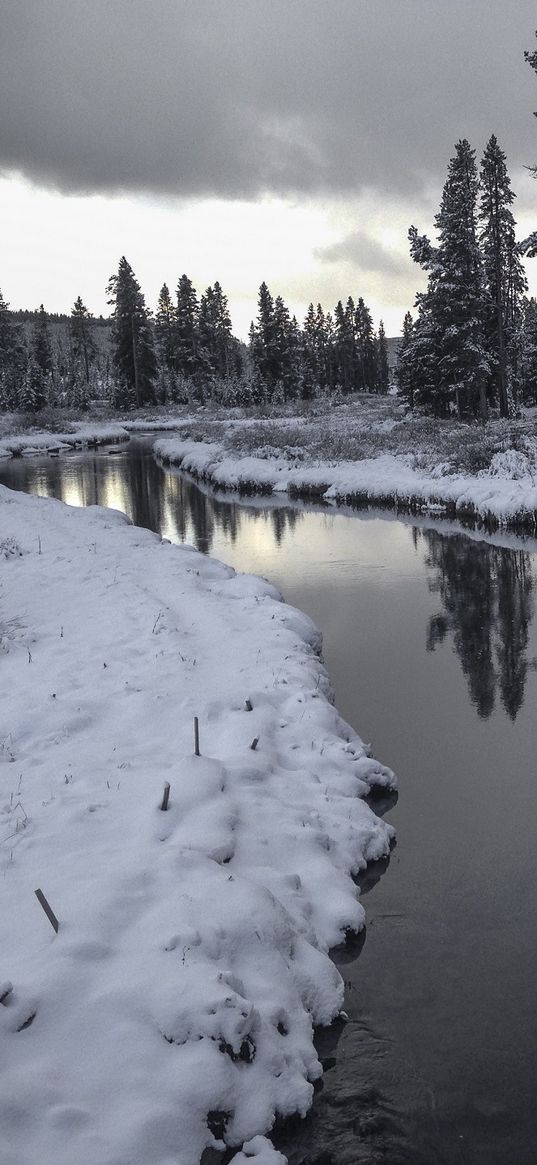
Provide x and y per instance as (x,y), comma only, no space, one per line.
(430,642)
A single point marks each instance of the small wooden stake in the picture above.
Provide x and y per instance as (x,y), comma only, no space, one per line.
(196,737)
(48,909)
(165,797)
(254,743)
(248,706)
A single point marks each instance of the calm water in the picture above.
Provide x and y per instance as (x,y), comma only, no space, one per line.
(430,640)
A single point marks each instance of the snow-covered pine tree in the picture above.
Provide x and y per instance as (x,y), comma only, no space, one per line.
(133,349)
(41,344)
(83,346)
(165,329)
(187,336)
(344,346)
(264,354)
(453,309)
(32,393)
(310,355)
(404,371)
(366,352)
(286,349)
(505,279)
(226,349)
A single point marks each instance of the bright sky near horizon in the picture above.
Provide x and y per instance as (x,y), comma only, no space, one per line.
(293,143)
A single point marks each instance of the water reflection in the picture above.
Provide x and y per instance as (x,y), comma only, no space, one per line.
(131,480)
(486,593)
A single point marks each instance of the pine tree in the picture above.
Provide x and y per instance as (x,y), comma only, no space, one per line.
(165,329)
(132,338)
(329,333)
(263,339)
(187,335)
(454,305)
(365,347)
(505,280)
(383,367)
(33,391)
(344,346)
(310,353)
(83,345)
(41,344)
(286,349)
(226,354)
(404,372)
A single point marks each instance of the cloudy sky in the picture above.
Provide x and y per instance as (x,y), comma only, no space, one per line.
(240,140)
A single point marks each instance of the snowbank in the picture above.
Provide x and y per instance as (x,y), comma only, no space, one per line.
(506,493)
(174,1007)
(82,433)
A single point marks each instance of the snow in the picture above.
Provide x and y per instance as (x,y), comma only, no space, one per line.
(81,433)
(505,492)
(191,962)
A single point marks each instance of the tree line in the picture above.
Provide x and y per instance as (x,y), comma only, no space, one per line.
(186,352)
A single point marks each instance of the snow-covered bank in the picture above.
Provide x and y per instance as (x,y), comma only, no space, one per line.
(175,1004)
(505,494)
(79,434)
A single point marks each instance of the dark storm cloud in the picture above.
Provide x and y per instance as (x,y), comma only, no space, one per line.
(241,97)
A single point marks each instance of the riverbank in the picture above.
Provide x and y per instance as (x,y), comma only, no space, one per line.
(173,1010)
(360,452)
(76,435)
(371,453)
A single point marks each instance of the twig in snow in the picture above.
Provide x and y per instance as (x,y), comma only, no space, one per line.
(196,737)
(165,797)
(157,621)
(48,910)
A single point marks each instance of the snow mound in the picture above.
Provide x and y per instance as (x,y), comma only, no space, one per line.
(173,1009)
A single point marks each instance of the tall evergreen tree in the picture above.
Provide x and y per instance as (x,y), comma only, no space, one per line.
(404,371)
(455,299)
(187,337)
(132,338)
(505,280)
(165,329)
(344,346)
(365,349)
(41,343)
(310,352)
(83,345)
(263,339)
(33,389)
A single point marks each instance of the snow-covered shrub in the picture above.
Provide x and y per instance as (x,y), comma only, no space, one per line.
(510,463)
(9,548)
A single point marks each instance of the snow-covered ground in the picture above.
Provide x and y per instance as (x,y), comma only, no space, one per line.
(175,1005)
(503,491)
(79,433)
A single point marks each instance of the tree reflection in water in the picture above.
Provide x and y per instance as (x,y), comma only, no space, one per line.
(487,606)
